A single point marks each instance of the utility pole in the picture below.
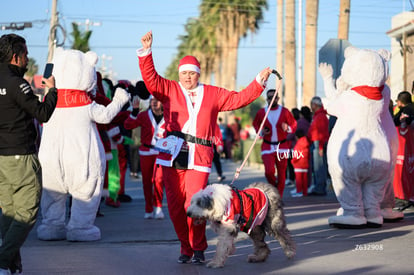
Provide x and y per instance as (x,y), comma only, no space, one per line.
(344,13)
(290,55)
(52,31)
(300,68)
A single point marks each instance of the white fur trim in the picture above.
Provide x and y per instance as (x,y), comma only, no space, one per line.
(162,162)
(202,168)
(113,132)
(189,67)
(280,151)
(151,152)
(143,52)
(109,156)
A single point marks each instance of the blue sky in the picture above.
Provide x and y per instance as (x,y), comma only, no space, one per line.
(123,22)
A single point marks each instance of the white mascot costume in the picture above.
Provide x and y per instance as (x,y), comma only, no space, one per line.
(71,152)
(363,144)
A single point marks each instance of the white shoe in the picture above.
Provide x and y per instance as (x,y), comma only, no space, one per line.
(310,189)
(148,216)
(297,195)
(389,215)
(289,183)
(159,215)
(293,191)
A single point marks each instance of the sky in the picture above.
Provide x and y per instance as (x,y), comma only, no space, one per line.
(119,24)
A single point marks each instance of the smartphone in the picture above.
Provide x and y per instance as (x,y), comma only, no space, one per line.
(48,70)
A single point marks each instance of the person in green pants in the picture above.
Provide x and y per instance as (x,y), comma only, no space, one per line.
(20,171)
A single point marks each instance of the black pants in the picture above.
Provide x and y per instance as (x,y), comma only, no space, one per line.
(134,159)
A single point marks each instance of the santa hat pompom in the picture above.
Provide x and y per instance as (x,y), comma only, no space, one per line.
(189,63)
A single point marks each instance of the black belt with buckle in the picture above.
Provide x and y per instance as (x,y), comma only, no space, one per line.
(190,138)
(274,142)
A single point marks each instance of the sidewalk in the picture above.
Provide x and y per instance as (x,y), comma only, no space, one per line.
(132,245)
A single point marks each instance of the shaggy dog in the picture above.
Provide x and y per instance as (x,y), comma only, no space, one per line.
(256,210)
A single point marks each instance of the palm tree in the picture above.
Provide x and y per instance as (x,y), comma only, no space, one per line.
(233,19)
(309,79)
(343,24)
(200,42)
(32,67)
(290,56)
(80,39)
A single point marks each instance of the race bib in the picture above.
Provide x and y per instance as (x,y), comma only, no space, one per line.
(169,145)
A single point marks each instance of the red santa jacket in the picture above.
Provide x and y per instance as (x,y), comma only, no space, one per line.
(151,131)
(110,133)
(300,155)
(276,140)
(253,213)
(196,122)
(112,129)
(319,128)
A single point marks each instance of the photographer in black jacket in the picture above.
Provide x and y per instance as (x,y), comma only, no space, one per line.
(20,172)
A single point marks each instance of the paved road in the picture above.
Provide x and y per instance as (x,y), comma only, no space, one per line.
(132,245)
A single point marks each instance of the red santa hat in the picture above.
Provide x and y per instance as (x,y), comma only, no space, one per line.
(189,63)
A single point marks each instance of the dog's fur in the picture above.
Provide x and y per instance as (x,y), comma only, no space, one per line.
(211,202)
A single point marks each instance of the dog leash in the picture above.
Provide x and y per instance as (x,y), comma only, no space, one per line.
(238,170)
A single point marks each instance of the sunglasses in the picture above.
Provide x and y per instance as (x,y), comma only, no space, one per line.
(270,98)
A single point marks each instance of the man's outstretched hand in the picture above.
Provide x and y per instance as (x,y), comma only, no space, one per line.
(146,40)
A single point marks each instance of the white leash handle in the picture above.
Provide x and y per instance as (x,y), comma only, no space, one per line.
(238,170)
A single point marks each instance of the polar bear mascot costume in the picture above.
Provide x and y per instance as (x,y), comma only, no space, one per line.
(71,152)
(363,144)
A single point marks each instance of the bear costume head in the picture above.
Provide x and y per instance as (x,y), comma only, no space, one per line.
(74,69)
(364,67)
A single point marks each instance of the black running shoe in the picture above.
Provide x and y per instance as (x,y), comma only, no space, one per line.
(124,198)
(184,259)
(198,257)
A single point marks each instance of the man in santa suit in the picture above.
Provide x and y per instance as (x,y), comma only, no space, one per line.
(190,113)
(152,126)
(275,147)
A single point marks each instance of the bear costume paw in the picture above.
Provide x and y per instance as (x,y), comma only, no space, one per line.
(51,232)
(347,222)
(84,235)
(390,215)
